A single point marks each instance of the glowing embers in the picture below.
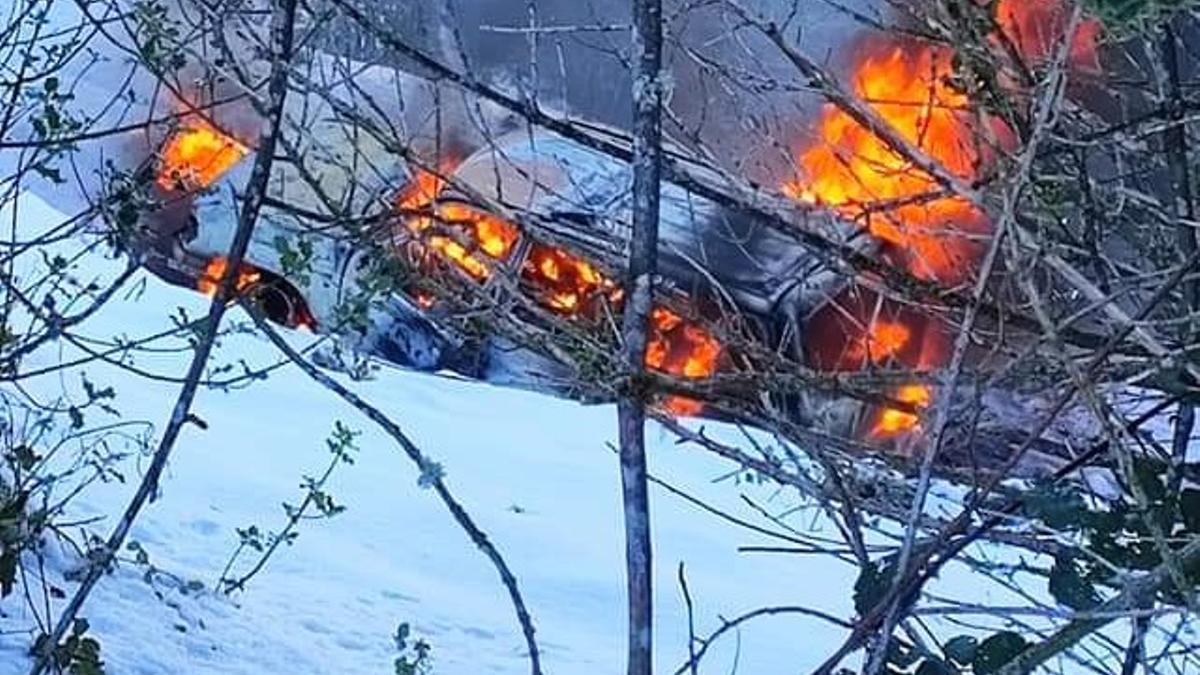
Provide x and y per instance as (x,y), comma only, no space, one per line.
(564,283)
(554,278)
(214,271)
(196,155)
(484,233)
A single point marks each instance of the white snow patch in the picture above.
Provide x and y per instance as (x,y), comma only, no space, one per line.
(537,474)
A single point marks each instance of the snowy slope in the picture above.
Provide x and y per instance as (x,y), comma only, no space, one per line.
(536,472)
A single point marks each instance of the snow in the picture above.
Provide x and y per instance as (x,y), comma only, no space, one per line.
(538,474)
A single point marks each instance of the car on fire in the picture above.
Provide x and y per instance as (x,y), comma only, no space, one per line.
(443,225)
(533,227)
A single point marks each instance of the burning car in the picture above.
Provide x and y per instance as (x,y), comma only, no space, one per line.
(556,271)
(503,250)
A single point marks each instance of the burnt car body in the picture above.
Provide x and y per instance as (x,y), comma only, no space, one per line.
(724,275)
(560,196)
(712,262)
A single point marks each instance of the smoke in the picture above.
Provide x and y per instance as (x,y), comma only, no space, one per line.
(730,90)
(116,100)
(96,88)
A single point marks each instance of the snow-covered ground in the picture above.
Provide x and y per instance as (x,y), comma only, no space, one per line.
(537,473)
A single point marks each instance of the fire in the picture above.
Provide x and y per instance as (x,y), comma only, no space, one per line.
(881,341)
(852,170)
(934,236)
(679,347)
(490,235)
(908,85)
(420,193)
(892,422)
(558,280)
(214,271)
(858,330)
(424,300)
(1034,28)
(563,282)
(196,155)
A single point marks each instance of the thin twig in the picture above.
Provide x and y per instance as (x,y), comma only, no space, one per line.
(282,25)
(430,473)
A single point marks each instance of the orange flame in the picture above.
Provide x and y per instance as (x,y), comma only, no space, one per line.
(892,422)
(681,348)
(853,171)
(424,300)
(934,347)
(881,341)
(214,271)
(490,235)
(196,155)
(875,332)
(1035,26)
(907,84)
(563,282)
(559,281)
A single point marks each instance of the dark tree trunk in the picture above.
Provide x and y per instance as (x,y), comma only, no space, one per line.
(647,132)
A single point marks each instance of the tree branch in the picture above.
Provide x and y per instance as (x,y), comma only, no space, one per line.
(429,472)
(282,25)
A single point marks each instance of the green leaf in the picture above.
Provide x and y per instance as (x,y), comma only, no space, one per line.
(25,457)
(50,173)
(1119,12)
(996,651)
(935,666)
(872,584)
(961,649)
(1069,587)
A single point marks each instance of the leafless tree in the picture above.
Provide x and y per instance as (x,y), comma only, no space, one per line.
(931,264)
